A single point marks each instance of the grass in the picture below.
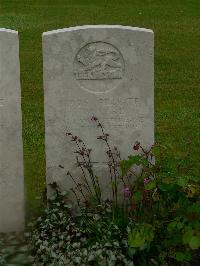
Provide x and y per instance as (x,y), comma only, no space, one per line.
(176,27)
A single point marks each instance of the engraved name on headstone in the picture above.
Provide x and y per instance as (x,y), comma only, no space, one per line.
(105,71)
(11,149)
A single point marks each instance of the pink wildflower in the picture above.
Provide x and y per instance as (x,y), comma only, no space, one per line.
(127,192)
(146,181)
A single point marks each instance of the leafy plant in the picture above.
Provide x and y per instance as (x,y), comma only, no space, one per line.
(14,250)
(165,200)
(156,223)
(91,237)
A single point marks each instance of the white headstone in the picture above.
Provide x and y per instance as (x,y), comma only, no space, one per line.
(11,149)
(103,71)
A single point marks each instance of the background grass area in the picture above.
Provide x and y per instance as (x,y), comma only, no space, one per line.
(177,57)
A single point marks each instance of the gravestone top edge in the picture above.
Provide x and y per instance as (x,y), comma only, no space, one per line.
(84,27)
(8,31)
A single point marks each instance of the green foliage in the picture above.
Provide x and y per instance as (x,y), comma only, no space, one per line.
(14,250)
(183,256)
(158,222)
(165,205)
(92,237)
(191,238)
(140,236)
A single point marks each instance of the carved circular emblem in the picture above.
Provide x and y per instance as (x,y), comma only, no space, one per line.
(98,67)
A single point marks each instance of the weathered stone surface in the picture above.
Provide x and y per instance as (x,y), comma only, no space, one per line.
(105,71)
(11,149)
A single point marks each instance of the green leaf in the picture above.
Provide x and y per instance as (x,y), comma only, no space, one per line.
(140,235)
(132,251)
(182,181)
(137,196)
(127,164)
(171,226)
(175,225)
(150,185)
(194,242)
(135,239)
(195,207)
(168,187)
(168,180)
(163,187)
(187,236)
(180,256)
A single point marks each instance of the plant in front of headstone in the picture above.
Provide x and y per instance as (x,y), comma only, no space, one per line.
(156,200)
(14,250)
(86,190)
(84,162)
(90,237)
(164,209)
(155,223)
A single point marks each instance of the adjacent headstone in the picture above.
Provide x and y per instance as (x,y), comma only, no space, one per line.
(11,149)
(102,71)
